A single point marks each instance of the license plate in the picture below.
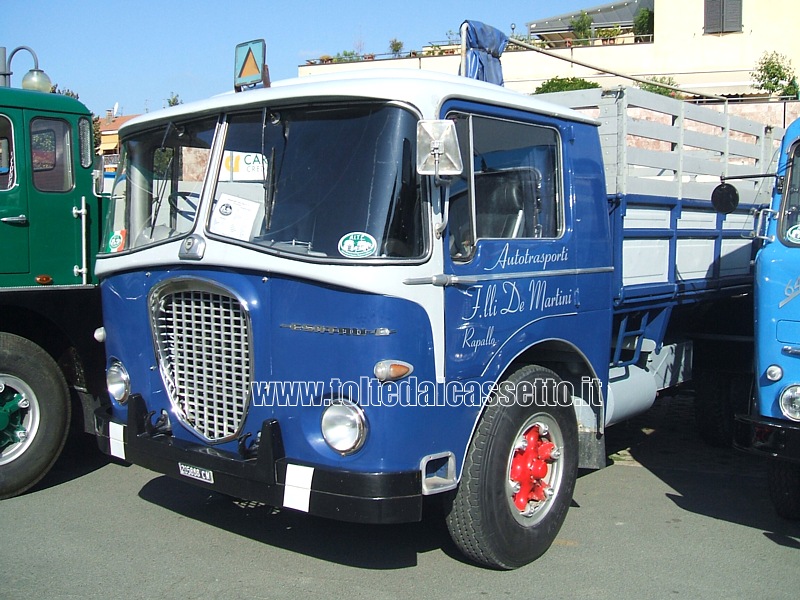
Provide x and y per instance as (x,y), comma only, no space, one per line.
(204,475)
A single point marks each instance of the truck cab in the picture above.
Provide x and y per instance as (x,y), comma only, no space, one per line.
(50,222)
(771,426)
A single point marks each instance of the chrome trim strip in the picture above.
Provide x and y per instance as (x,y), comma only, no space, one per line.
(445,280)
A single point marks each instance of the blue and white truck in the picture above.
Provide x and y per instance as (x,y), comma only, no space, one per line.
(342,294)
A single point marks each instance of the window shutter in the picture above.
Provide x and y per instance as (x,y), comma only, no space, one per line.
(713,16)
(732,16)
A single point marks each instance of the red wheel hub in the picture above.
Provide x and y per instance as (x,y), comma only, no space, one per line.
(529,467)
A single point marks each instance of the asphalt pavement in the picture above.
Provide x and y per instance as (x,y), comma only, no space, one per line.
(669,518)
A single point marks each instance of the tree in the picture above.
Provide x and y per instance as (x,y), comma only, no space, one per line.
(657,87)
(347,56)
(582,28)
(395,47)
(774,74)
(643,25)
(66,92)
(96,134)
(565,84)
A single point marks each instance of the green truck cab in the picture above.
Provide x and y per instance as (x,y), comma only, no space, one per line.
(51,367)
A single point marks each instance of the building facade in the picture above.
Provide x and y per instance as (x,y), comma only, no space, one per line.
(706,46)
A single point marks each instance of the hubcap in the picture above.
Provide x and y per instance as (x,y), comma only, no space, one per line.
(534,469)
(19,418)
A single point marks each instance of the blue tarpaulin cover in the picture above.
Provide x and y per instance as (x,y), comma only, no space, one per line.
(485,45)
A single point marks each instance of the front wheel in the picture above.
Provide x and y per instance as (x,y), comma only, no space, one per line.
(783,480)
(719,395)
(519,473)
(34,414)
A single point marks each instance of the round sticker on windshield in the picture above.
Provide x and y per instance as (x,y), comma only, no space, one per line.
(793,234)
(357,245)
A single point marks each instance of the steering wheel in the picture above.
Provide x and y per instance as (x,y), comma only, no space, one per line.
(173,200)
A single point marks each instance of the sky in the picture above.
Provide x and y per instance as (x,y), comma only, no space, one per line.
(137,54)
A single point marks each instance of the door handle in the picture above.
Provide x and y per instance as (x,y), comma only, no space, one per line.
(20,220)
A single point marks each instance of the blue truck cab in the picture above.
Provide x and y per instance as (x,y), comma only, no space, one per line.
(342,294)
(771,426)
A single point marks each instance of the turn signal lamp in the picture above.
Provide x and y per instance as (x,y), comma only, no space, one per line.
(774,373)
(392,370)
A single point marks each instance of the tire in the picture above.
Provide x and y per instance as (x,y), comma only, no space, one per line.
(784,488)
(492,522)
(719,395)
(34,414)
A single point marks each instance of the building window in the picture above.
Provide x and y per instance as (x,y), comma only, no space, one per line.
(723,16)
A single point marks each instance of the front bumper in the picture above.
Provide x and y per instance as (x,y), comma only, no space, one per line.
(768,437)
(264,475)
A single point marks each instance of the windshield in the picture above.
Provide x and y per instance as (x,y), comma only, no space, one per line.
(157,186)
(790,215)
(332,182)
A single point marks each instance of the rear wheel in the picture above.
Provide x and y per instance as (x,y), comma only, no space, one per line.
(34,414)
(519,474)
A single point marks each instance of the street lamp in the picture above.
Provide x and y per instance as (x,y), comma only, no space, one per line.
(35,79)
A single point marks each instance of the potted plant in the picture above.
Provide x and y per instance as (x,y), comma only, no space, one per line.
(608,35)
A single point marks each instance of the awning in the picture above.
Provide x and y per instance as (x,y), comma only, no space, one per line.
(105,146)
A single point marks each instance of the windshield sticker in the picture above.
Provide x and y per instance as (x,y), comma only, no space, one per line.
(357,245)
(116,242)
(233,217)
(793,234)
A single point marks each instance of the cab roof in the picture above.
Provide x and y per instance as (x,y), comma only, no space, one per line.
(425,90)
(19,98)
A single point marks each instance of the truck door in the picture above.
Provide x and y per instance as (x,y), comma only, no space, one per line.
(507,245)
(13,194)
(55,235)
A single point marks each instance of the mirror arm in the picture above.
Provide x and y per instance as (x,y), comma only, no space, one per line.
(441,182)
(724,178)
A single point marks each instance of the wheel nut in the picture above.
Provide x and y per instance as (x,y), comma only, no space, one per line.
(24,403)
(22,435)
(543,429)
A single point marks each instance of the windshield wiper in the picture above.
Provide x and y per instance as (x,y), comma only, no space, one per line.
(163,187)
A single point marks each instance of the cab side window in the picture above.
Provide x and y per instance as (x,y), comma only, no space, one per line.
(511,184)
(790,218)
(6,154)
(51,155)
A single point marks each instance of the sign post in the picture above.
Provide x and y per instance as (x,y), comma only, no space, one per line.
(251,65)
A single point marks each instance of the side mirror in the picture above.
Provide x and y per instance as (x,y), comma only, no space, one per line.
(97,175)
(437,148)
(725,198)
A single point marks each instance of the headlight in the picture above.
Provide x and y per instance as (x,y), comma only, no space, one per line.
(118,382)
(790,402)
(344,426)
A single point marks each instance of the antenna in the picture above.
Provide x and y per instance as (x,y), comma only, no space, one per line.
(116,109)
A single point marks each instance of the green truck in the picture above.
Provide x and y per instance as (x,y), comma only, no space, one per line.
(51,367)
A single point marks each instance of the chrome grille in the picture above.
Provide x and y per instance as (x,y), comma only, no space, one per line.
(203,344)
